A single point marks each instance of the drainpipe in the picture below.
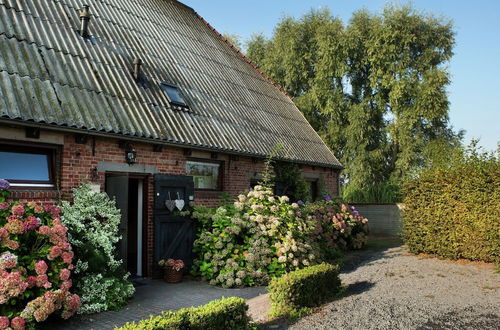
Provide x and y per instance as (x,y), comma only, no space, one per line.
(84,19)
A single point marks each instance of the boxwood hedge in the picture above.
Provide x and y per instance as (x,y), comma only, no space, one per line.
(298,291)
(226,313)
(454,211)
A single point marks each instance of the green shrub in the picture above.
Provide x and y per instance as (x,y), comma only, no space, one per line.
(296,292)
(261,236)
(454,210)
(226,313)
(384,193)
(93,223)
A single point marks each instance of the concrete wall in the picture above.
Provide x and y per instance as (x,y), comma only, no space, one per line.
(383,219)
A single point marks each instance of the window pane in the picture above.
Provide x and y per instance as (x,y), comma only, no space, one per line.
(205,175)
(174,94)
(24,166)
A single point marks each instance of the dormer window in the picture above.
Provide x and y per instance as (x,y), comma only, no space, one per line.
(174,95)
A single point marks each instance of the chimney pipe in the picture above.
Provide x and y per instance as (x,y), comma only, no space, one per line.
(137,69)
(84,19)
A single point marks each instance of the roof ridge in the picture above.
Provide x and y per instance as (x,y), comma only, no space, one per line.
(237,51)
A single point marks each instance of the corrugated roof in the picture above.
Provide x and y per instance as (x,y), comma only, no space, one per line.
(50,75)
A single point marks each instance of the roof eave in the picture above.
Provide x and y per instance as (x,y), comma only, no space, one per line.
(175,144)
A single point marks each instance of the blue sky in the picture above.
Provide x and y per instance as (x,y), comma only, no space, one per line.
(475,68)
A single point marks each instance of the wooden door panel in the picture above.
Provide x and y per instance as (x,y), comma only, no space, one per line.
(174,234)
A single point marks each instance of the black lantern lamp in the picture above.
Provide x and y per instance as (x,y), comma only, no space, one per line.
(130,155)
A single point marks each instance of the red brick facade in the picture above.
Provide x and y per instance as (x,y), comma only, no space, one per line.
(78,162)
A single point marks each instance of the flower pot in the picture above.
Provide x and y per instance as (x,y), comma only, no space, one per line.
(172,276)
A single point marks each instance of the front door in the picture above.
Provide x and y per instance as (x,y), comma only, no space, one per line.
(174,234)
(128,192)
(117,186)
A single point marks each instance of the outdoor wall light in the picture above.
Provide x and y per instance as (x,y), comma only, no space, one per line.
(130,155)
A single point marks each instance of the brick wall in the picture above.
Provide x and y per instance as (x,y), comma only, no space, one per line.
(76,162)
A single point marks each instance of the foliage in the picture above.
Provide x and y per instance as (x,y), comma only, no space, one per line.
(283,177)
(226,313)
(374,88)
(296,292)
(261,236)
(233,39)
(337,227)
(177,265)
(35,264)
(93,222)
(453,210)
(383,193)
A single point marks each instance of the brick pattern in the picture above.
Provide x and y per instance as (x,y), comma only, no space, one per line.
(76,162)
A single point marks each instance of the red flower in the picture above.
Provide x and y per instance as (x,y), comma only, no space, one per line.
(17,209)
(4,322)
(18,323)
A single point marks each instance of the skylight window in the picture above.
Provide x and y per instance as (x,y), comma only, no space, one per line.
(174,94)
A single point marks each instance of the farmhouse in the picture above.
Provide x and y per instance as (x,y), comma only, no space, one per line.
(149,103)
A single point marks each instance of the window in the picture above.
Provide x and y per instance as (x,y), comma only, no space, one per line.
(27,166)
(206,175)
(174,94)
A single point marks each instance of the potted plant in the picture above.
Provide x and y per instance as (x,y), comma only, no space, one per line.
(173,270)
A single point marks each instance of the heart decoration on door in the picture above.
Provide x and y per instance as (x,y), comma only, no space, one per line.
(169,203)
(179,203)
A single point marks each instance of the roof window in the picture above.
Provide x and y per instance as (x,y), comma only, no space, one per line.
(174,95)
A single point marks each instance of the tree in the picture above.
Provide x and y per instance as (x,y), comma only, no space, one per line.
(235,39)
(374,88)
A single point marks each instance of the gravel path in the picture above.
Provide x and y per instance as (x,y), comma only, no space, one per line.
(391,289)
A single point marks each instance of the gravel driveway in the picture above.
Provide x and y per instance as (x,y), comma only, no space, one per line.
(390,289)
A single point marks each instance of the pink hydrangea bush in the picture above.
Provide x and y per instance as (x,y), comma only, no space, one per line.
(35,265)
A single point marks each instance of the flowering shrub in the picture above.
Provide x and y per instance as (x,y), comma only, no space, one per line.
(174,264)
(93,223)
(261,236)
(337,227)
(36,261)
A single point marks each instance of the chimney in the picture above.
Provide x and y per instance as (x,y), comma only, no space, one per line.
(137,69)
(84,19)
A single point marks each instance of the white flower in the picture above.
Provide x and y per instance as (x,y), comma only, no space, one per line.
(242,198)
(282,259)
(285,199)
(295,205)
(271,199)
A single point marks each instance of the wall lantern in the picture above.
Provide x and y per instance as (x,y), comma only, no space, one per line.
(130,155)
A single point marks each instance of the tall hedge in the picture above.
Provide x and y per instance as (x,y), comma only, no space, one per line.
(454,211)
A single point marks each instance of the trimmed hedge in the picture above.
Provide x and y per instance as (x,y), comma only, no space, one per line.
(296,292)
(225,313)
(454,211)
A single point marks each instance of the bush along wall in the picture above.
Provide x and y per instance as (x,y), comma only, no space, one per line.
(453,211)
(36,263)
(226,313)
(261,236)
(295,293)
(93,223)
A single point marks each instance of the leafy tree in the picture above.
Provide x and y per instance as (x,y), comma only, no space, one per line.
(374,88)
(235,39)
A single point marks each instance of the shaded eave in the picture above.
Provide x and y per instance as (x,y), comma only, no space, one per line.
(75,130)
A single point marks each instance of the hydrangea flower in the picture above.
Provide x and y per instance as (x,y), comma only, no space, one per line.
(4,184)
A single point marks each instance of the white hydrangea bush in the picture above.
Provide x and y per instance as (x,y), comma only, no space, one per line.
(257,237)
(93,229)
